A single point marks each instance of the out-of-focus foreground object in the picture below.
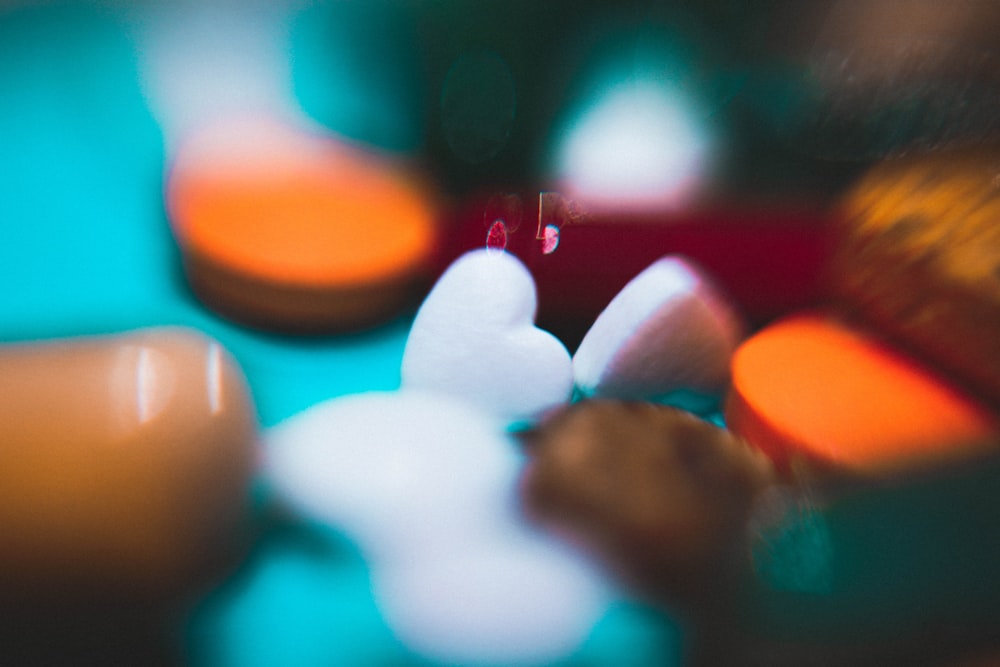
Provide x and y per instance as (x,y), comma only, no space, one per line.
(125,463)
(423,483)
(770,570)
(897,571)
(125,492)
(655,492)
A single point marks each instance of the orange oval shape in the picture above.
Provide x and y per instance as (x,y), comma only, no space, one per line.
(810,386)
(290,231)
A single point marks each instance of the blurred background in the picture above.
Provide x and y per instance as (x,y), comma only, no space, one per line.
(753,97)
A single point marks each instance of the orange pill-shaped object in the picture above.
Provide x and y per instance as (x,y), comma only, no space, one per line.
(812,388)
(125,464)
(294,232)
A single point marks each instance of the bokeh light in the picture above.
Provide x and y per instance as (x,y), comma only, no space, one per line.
(638,145)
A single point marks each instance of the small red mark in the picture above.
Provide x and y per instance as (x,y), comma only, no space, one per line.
(550,239)
(496,238)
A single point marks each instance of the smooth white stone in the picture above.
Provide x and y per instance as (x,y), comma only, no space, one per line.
(474,337)
(426,484)
(668,329)
(522,601)
(395,469)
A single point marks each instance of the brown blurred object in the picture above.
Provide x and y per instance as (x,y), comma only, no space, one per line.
(872,25)
(989,658)
(125,470)
(919,259)
(656,492)
(885,78)
(821,571)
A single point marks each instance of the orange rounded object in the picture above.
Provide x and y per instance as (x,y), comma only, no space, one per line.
(298,232)
(811,387)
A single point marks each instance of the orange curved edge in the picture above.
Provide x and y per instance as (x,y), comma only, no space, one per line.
(310,214)
(811,386)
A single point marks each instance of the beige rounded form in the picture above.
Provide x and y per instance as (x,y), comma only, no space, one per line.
(125,462)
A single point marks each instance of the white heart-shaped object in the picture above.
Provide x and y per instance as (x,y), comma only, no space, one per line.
(523,602)
(668,329)
(393,469)
(474,337)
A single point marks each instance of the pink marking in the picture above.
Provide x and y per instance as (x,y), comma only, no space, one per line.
(496,238)
(550,239)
